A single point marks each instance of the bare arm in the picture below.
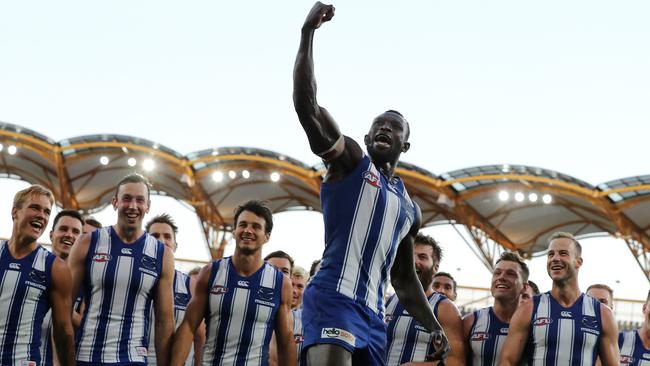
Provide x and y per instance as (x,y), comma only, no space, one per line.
(62,330)
(609,351)
(199,335)
(284,327)
(468,321)
(77,266)
(517,335)
(323,133)
(164,309)
(193,316)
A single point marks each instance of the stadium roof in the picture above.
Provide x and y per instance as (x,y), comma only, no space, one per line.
(514,207)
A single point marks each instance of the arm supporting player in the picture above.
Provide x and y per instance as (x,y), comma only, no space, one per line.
(193,315)
(517,335)
(62,330)
(284,327)
(408,288)
(164,309)
(77,265)
(609,351)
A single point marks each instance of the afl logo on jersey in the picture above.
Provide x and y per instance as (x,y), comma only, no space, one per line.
(218,290)
(102,257)
(480,336)
(539,322)
(626,360)
(298,338)
(372,179)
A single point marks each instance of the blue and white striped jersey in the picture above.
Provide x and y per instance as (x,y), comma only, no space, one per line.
(24,300)
(633,352)
(241,314)
(118,288)
(486,337)
(46,340)
(297,331)
(366,216)
(182,296)
(562,336)
(408,341)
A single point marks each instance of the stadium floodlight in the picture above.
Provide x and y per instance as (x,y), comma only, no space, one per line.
(275,176)
(1,147)
(547,198)
(131,161)
(217,176)
(532,197)
(148,164)
(245,174)
(104,160)
(12,150)
(232,174)
(519,197)
(503,196)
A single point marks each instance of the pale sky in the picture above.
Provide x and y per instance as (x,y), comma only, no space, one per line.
(555,84)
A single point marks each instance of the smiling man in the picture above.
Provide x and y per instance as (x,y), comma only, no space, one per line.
(370,225)
(563,326)
(243,300)
(123,272)
(485,330)
(33,281)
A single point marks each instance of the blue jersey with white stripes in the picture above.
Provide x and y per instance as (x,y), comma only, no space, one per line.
(562,336)
(24,300)
(366,216)
(486,337)
(633,352)
(182,296)
(119,288)
(298,337)
(408,341)
(241,314)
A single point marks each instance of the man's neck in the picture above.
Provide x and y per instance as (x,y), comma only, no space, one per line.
(20,246)
(644,333)
(428,291)
(566,293)
(247,264)
(504,309)
(128,234)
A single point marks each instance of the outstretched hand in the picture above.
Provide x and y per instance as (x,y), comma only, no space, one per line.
(440,346)
(319,14)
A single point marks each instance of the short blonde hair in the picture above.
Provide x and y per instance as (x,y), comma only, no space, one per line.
(299,272)
(32,191)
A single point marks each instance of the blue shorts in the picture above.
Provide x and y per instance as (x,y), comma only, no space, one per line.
(333,318)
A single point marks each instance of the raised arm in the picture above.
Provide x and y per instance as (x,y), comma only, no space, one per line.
(62,330)
(609,351)
(517,335)
(164,309)
(409,290)
(325,139)
(193,316)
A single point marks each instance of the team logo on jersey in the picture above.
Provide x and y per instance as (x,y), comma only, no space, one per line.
(646,356)
(298,338)
(372,179)
(102,257)
(480,336)
(15,266)
(218,290)
(181,300)
(539,322)
(148,262)
(28,363)
(141,351)
(265,293)
(503,330)
(626,360)
(566,314)
(127,251)
(340,334)
(37,276)
(590,322)
(242,283)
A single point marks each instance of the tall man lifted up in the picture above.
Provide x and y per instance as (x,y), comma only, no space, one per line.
(370,224)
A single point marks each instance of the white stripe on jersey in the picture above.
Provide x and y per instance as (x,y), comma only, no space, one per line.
(539,333)
(359,231)
(9,284)
(482,324)
(114,332)
(396,349)
(215,302)
(46,335)
(589,340)
(629,341)
(565,339)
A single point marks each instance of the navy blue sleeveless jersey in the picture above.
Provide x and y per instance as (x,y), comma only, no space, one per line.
(24,300)
(562,336)
(486,337)
(118,288)
(633,352)
(366,216)
(241,314)
(408,341)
